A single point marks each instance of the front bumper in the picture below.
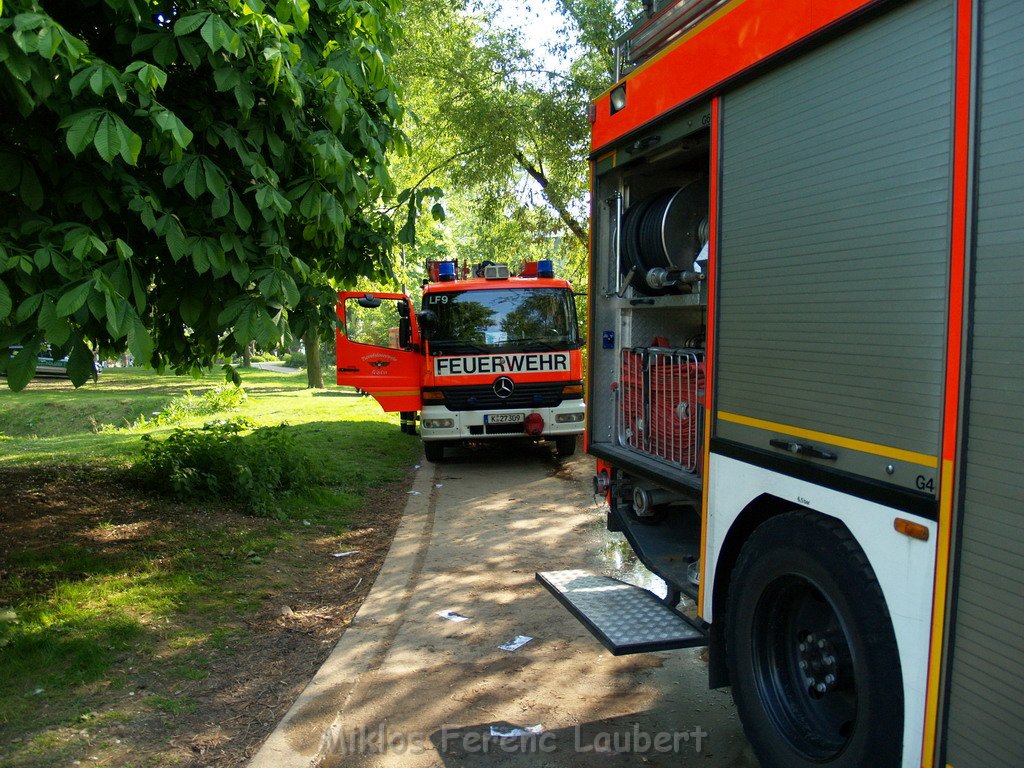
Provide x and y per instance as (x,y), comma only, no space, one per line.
(472,425)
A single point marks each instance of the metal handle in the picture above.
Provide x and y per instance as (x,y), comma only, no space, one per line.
(348,370)
(803,449)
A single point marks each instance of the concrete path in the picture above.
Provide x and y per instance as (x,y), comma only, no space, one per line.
(275,367)
(405,687)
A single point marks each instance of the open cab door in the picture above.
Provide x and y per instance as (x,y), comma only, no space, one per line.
(379,349)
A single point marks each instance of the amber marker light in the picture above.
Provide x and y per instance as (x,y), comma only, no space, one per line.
(913,530)
(433,396)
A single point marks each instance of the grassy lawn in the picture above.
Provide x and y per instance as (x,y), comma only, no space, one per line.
(128,619)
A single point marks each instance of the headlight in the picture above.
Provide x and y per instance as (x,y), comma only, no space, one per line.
(568,418)
(437,423)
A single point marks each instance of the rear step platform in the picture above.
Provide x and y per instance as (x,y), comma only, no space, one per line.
(625,618)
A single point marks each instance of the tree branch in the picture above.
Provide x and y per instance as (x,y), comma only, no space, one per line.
(563,213)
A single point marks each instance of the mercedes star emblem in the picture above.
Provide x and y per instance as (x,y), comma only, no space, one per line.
(503,387)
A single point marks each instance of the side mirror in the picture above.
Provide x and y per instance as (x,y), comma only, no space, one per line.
(368,302)
(427,319)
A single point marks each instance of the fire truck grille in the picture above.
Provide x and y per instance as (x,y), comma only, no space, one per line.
(542,395)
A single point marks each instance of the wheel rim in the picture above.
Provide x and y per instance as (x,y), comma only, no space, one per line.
(803,667)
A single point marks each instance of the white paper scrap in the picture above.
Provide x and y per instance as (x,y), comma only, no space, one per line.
(515,643)
(514,733)
(439,485)
(452,616)
(414,493)
(346,554)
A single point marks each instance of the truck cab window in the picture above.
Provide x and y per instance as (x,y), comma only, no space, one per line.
(501,320)
(375,326)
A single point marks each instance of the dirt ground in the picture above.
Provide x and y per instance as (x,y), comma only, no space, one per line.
(251,678)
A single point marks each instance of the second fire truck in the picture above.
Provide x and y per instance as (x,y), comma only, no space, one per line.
(490,356)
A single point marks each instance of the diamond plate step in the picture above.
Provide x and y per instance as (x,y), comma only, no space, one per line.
(625,618)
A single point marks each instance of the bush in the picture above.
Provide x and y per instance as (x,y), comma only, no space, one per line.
(223,398)
(265,358)
(296,360)
(218,461)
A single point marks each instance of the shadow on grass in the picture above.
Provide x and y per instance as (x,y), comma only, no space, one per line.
(96,568)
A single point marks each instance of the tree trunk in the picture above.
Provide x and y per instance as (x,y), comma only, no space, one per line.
(314,372)
(247,356)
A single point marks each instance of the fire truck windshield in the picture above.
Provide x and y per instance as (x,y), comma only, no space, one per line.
(506,319)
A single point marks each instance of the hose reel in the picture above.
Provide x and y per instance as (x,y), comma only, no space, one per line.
(662,236)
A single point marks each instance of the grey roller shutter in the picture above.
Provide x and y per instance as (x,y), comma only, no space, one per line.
(834,244)
(986,712)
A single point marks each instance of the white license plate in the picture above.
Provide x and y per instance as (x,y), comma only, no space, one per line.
(503,418)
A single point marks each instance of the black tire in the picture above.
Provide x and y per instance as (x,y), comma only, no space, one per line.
(803,592)
(434,451)
(565,446)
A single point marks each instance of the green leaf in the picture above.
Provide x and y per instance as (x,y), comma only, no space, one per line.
(199,249)
(240,272)
(81,127)
(81,364)
(175,239)
(74,300)
(186,25)
(56,328)
(22,367)
(139,341)
(194,180)
(131,144)
(226,77)
(28,307)
(191,309)
(264,329)
(119,314)
(291,291)
(165,52)
(214,178)
(108,139)
(245,324)
(242,216)
(168,122)
(218,260)
(230,313)
(6,303)
(220,207)
(229,370)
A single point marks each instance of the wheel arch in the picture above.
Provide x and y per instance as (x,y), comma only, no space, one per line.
(756,513)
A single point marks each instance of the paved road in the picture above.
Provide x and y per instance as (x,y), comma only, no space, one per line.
(406,687)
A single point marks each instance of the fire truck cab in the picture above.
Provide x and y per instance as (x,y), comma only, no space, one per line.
(489,356)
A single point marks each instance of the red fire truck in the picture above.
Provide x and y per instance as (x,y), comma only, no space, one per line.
(489,356)
(806,355)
